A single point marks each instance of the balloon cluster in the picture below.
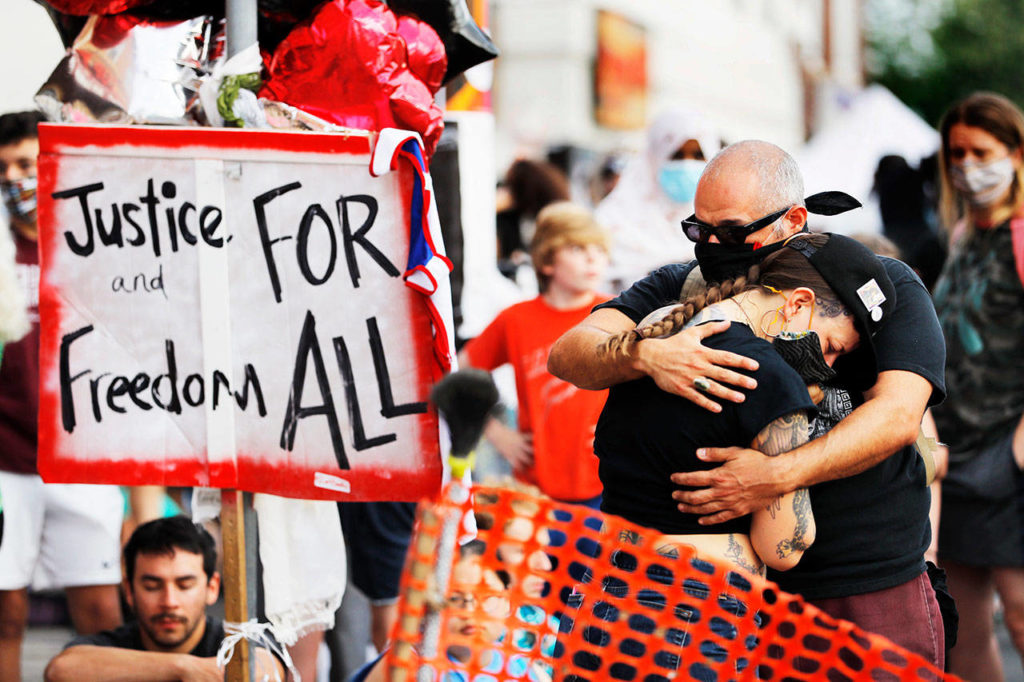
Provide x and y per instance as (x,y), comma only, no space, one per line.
(351,63)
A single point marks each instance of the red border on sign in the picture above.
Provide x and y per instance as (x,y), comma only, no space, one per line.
(247,472)
(63,139)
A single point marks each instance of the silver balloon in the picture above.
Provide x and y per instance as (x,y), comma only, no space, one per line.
(130,70)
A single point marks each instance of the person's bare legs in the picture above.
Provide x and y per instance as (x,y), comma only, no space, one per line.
(976,654)
(94,608)
(1010,585)
(13,618)
(382,619)
(304,653)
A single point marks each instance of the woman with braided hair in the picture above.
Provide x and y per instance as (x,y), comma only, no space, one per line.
(819,297)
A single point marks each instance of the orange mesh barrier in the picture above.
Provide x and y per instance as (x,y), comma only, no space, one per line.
(550,591)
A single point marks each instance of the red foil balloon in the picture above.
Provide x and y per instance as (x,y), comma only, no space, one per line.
(349,65)
(427,59)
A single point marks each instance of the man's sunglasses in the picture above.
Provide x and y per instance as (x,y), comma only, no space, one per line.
(699,232)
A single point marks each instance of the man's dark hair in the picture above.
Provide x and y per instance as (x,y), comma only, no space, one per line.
(166,536)
(18,125)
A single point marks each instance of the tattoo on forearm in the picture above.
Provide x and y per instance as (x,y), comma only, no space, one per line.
(669,550)
(802,512)
(630,536)
(734,551)
(783,434)
(775,507)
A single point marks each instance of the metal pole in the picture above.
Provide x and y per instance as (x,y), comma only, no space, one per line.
(241,25)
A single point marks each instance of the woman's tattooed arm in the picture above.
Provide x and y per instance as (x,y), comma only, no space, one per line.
(802,512)
(785,528)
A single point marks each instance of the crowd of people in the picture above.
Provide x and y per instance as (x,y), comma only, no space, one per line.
(697,360)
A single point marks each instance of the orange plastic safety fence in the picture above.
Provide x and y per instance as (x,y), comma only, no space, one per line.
(550,591)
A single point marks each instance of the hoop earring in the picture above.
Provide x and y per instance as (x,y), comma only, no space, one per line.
(777,315)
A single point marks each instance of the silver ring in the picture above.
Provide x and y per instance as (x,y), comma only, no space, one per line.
(702,384)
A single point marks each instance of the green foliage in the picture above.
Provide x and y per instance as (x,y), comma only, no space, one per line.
(975,45)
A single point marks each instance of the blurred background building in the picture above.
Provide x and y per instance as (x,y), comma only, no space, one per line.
(578,80)
(759,68)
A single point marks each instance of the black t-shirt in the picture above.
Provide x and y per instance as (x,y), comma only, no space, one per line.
(127,636)
(872,528)
(645,434)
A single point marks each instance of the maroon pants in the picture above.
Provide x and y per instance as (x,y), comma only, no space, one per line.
(907,614)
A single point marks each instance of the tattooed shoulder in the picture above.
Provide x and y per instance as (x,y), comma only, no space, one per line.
(784,434)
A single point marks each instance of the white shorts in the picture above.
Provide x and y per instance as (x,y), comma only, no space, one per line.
(59,535)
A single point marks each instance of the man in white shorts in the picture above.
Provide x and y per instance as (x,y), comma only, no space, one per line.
(57,535)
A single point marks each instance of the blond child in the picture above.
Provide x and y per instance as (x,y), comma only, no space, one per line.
(553,446)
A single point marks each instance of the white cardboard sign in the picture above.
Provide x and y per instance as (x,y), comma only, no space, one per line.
(240,309)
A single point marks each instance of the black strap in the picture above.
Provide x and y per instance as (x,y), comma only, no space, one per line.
(832,202)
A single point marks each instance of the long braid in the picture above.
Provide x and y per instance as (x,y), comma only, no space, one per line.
(676,319)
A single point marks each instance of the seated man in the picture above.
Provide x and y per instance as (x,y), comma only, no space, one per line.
(170,579)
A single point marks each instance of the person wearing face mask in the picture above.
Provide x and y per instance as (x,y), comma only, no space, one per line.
(868,484)
(655,192)
(64,536)
(819,297)
(980,300)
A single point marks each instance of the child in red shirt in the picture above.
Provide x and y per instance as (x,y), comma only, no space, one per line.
(553,448)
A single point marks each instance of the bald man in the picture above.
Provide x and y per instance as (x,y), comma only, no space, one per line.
(867,483)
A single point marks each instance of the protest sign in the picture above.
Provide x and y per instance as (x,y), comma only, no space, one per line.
(240,309)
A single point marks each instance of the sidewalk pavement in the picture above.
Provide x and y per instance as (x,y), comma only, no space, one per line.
(43,642)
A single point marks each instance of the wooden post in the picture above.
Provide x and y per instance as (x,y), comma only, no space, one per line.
(236,603)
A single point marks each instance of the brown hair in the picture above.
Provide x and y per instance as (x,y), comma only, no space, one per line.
(563,224)
(535,184)
(783,270)
(19,125)
(1000,118)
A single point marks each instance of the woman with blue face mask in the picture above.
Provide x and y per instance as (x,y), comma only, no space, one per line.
(979,298)
(654,193)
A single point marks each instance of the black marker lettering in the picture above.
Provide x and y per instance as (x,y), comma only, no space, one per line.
(302,244)
(209,220)
(349,238)
(259,205)
(174,404)
(67,403)
(139,384)
(309,345)
(117,388)
(140,236)
(243,398)
(151,200)
(78,248)
(355,416)
(380,366)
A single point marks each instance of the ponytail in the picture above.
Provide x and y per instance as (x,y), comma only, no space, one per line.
(623,344)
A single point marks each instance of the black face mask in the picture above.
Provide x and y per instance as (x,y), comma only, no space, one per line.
(802,352)
(719,262)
